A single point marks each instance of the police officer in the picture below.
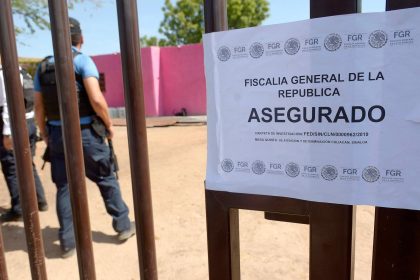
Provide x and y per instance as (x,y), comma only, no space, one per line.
(7,158)
(99,168)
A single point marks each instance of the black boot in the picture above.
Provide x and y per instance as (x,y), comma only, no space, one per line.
(10,216)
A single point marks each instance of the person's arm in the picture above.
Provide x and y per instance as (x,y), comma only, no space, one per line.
(85,67)
(40,116)
(7,137)
(39,109)
(6,142)
(98,102)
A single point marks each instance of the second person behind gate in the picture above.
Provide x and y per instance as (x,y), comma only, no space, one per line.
(98,164)
(7,158)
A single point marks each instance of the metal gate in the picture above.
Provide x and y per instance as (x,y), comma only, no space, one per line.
(396,250)
(133,88)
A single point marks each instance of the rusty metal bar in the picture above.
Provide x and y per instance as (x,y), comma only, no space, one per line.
(137,136)
(289,218)
(215,15)
(66,86)
(331,241)
(398,4)
(222,223)
(324,8)
(331,232)
(22,152)
(396,242)
(222,239)
(3,267)
(263,203)
(331,225)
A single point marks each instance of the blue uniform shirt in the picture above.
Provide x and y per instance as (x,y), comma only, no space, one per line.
(84,66)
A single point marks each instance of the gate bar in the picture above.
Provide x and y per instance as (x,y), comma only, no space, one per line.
(397,4)
(66,86)
(331,233)
(396,241)
(331,225)
(215,16)
(223,239)
(396,244)
(324,8)
(3,267)
(22,151)
(137,136)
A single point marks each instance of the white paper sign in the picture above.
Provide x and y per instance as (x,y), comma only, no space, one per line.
(324,110)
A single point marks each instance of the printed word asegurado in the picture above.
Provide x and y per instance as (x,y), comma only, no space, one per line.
(354,114)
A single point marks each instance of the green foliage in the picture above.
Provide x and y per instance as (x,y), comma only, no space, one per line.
(246,13)
(152,41)
(183,21)
(35,13)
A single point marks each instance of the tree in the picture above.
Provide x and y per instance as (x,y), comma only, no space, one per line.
(35,13)
(152,41)
(183,21)
(246,13)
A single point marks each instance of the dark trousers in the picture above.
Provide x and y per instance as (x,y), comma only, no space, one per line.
(8,166)
(98,168)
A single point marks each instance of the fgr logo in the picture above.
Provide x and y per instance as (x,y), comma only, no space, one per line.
(242,164)
(227,165)
(256,50)
(393,173)
(355,37)
(311,41)
(223,53)
(378,39)
(311,44)
(275,166)
(350,171)
(401,37)
(371,174)
(309,169)
(333,42)
(355,40)
(292,169)
(239,50)
(329,172)
(273,46)
(349,174)
(402,34)
(292,46)
(258,167)
(393,176)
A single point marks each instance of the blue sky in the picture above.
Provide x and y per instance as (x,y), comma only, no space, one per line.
(100,26)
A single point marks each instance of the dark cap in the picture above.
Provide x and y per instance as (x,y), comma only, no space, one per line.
(74,26)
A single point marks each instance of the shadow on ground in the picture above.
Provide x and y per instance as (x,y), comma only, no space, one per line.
(14,239)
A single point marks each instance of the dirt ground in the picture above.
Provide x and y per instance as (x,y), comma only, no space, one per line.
(269,250)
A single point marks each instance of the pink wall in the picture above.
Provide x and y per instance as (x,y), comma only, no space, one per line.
(110,65)
(183,84)
(150,60)
(173,78)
